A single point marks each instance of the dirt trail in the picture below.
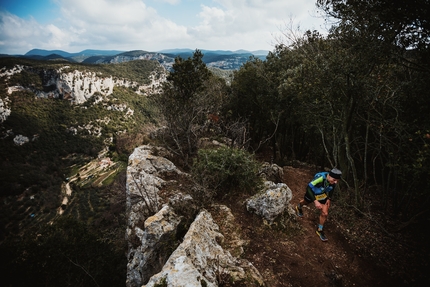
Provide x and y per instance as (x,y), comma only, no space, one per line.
(301,258)
(335,262)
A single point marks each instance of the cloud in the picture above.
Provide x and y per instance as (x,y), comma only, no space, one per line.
(106,12)
(250,23)
(125,24)
(134,25)
(172,2)
(22,35)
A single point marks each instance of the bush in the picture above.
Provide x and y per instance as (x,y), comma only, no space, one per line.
(225,171)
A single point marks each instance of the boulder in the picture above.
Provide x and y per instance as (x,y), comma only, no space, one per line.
(271,172)
(20,140)
(273,201)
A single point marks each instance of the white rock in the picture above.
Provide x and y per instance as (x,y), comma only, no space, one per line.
(20,140)
(4,109)
(271,172)
(199,259)
(157,237)
(271,202)
(142,187)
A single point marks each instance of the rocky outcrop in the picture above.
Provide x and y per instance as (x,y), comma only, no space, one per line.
(151,245)
(166,61)
(151,231)
(144,183)
(273,201)
(161,252)
(80,86)
(4,72)
(201,261)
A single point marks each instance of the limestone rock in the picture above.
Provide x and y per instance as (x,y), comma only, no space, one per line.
(154,234)
(79,86)
(143,182)
(151,242)
(155,242)
(200,260)
(271,172)
(20,140)
(271,202)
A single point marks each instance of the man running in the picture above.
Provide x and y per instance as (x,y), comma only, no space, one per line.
(319,191)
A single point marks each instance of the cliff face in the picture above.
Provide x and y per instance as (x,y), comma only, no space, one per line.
(77,86)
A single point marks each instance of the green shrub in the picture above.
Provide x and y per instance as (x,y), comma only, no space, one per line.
(226,170)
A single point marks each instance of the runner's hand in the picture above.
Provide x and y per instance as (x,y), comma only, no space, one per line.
(318,205)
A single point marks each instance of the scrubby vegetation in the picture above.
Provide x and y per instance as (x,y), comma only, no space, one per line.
(223,171)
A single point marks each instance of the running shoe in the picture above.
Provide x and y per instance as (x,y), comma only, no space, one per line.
(299,211)
(321,234)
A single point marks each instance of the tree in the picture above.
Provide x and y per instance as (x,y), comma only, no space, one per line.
(394,24)
(254,99)
(189,95)
(393,38)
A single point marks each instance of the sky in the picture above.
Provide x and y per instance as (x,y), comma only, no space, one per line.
(152,25)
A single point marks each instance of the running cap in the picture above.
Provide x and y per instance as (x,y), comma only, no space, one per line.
(335,173)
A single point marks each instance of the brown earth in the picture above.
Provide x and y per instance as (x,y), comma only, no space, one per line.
(289,253)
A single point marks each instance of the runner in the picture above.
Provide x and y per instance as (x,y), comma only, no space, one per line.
(319,191)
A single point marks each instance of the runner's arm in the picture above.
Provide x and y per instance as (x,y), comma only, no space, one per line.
(315,184)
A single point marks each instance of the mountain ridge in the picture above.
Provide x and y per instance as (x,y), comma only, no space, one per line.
(93,52)
(87,52)
(222,59)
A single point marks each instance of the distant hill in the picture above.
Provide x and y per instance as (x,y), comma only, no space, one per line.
(221,52)
(176,51)
(222,59)
(260,52)
(40,52)
(225,60)
(44,53)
